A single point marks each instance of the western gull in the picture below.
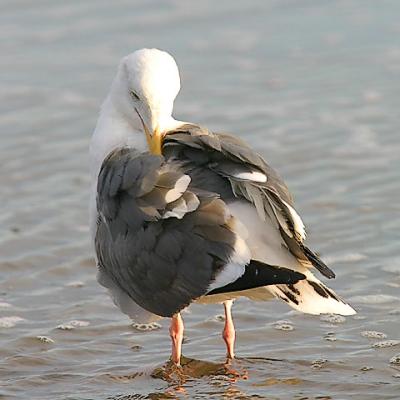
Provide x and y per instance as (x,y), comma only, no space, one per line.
(180,214)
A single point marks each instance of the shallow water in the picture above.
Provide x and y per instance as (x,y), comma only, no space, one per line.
(313,85)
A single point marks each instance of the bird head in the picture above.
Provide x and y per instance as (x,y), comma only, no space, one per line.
(144,90)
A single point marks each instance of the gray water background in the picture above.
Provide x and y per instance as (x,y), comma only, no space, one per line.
(313,85)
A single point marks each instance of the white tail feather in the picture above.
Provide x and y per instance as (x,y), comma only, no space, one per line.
(311,296)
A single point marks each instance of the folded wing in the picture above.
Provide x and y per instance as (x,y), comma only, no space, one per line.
(162,242)
(248,176)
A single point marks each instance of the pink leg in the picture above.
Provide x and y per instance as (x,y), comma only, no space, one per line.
(176,333)
(229,330)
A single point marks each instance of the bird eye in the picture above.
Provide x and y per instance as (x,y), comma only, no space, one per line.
(134,95)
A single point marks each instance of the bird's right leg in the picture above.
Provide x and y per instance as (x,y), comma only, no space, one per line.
(176,333)
(229,330)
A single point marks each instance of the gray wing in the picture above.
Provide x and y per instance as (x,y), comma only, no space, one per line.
(158,241)
(229,163)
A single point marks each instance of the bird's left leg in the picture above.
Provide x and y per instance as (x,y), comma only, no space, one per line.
(176,333)
(229,330)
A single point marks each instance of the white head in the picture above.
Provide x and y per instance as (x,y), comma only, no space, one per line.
(145,88)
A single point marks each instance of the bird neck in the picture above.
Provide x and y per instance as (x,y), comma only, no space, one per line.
(114,130)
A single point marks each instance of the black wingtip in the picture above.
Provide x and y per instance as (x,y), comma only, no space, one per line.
(258,274)
(298,276)
(318,263)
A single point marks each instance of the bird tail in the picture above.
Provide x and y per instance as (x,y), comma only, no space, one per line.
(311,296)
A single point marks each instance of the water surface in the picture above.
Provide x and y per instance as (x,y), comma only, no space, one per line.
(314,86)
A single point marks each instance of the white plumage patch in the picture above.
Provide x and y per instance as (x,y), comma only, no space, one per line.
(265,242)
(229,274)
(264,239)
(297,221)
(242,253)
(311,296)
(176,192)
(238,261)
(254,176)
(180,207)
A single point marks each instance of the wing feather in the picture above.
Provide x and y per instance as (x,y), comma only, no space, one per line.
(231,158)
(158,241)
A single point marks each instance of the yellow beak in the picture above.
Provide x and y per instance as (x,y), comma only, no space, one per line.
(154,141)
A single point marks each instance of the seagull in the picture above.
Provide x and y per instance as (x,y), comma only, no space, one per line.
(181,214)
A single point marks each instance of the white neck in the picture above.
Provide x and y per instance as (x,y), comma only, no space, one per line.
(113,130)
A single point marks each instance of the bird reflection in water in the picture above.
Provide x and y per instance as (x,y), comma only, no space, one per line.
(219,374)
(225,380)
(191,368)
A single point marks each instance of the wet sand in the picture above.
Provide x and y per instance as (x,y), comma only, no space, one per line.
(314,88)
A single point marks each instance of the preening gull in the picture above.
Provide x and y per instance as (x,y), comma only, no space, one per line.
(180,214)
